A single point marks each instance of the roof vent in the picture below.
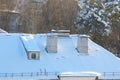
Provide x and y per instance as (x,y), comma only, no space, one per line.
(61,33)
(82,43)
(51,43)
(31,47)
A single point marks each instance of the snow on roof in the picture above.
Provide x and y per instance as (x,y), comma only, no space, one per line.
(13,58)
(80,74)
(3,31)
(83,36)
(29,43)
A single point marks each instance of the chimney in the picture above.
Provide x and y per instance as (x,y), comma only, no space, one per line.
(82,43)
(51,43)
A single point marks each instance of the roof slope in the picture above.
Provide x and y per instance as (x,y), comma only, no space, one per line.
(13,57)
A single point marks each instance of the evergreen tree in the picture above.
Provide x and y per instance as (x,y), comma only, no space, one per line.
(95,15)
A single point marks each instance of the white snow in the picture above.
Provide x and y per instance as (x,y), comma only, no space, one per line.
(81,3)
(80,74)
(13,58)
(3,31)
(100,19)
(108,8)
(29,43)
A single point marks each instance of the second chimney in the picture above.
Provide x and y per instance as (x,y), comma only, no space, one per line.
(51,43)
(82,43)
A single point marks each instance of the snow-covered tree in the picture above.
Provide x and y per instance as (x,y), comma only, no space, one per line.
(101,18)
(95,15)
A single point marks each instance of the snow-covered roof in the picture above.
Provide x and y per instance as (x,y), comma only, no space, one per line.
(29,43)
(3,31)
(80,74)
(13,57)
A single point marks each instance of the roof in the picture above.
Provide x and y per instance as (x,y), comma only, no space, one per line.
(80,74)
(3,31)
(13,57)
(29,43)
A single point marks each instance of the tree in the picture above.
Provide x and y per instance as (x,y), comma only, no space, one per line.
(60,14)
(90,16)
(52,14)
(101,20)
